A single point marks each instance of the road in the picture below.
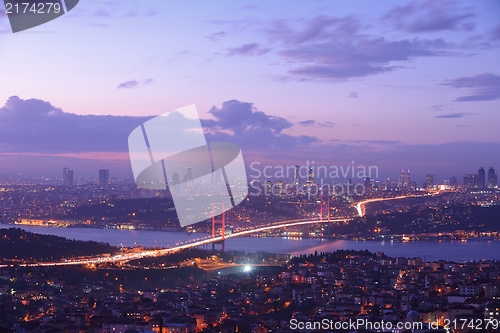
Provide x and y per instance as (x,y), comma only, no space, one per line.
(360,207)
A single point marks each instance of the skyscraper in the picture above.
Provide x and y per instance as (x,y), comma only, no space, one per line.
(296,175)
(311,176)
(480,181)
(407,179)
(492,178)
(453,181)
(429,181)
(189,174)
(103,177)
(401,181)
(368,185)
(67,177)
(469,180)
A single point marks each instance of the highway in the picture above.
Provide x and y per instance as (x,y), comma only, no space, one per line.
(186,245)
(360,207)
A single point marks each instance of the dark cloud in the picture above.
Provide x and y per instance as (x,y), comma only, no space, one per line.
(431,16)
(34,125)
(307,122)
(354,94)
(319,28)
(252,49)
(213,37)
(311,122)
(453,115)
(242,123)
(345,59)
(327,124)
(440,107)
(484,87)
(134,84)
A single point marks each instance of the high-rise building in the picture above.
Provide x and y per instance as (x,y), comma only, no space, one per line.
(68,177)
(481,176)
(429,181)
(401,180)
(492,178)
(469,180)
(368,186)
(189,174)
(310,179)
(453,181)
(296,175)
(269,187)
(103,177)
(407,180)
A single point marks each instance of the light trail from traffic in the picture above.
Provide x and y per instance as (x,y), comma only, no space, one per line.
(160,252)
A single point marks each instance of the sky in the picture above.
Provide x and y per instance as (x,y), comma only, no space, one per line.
(395,84)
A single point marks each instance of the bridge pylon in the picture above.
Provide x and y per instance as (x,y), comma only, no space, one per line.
(223,226)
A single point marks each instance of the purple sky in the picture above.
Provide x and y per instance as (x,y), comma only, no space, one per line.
(393,84)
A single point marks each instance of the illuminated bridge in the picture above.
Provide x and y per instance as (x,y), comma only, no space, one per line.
(124,257)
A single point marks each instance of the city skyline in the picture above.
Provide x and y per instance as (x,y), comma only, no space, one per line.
(411,84)
(295,177)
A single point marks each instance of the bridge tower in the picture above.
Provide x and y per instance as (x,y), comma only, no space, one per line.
(222,221)
(321,205)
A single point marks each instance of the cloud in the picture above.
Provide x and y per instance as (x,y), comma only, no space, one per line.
(251,49)
(37,126)
(213,37)
(314,123)
(242,123)
(34,125)
(431,16)
(327,124)
(306,122)
(440,107)
(134,84)
(350,58)
(453,115)
(484,87)
(354,94)
(316,29)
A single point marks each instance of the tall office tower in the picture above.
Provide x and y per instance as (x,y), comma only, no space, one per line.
(296,175)
(453,181)
(480,180)
(429,181)
(189,174)
(407,179)
(175,178)
(368,185)
(311,176)
(492,178)
(269,187)
(401,181)
(68,176)
(103,176)
(469,180)
(388,184)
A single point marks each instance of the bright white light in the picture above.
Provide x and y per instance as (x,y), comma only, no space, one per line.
(247,268)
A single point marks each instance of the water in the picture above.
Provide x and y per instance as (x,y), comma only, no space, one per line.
(432,250)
